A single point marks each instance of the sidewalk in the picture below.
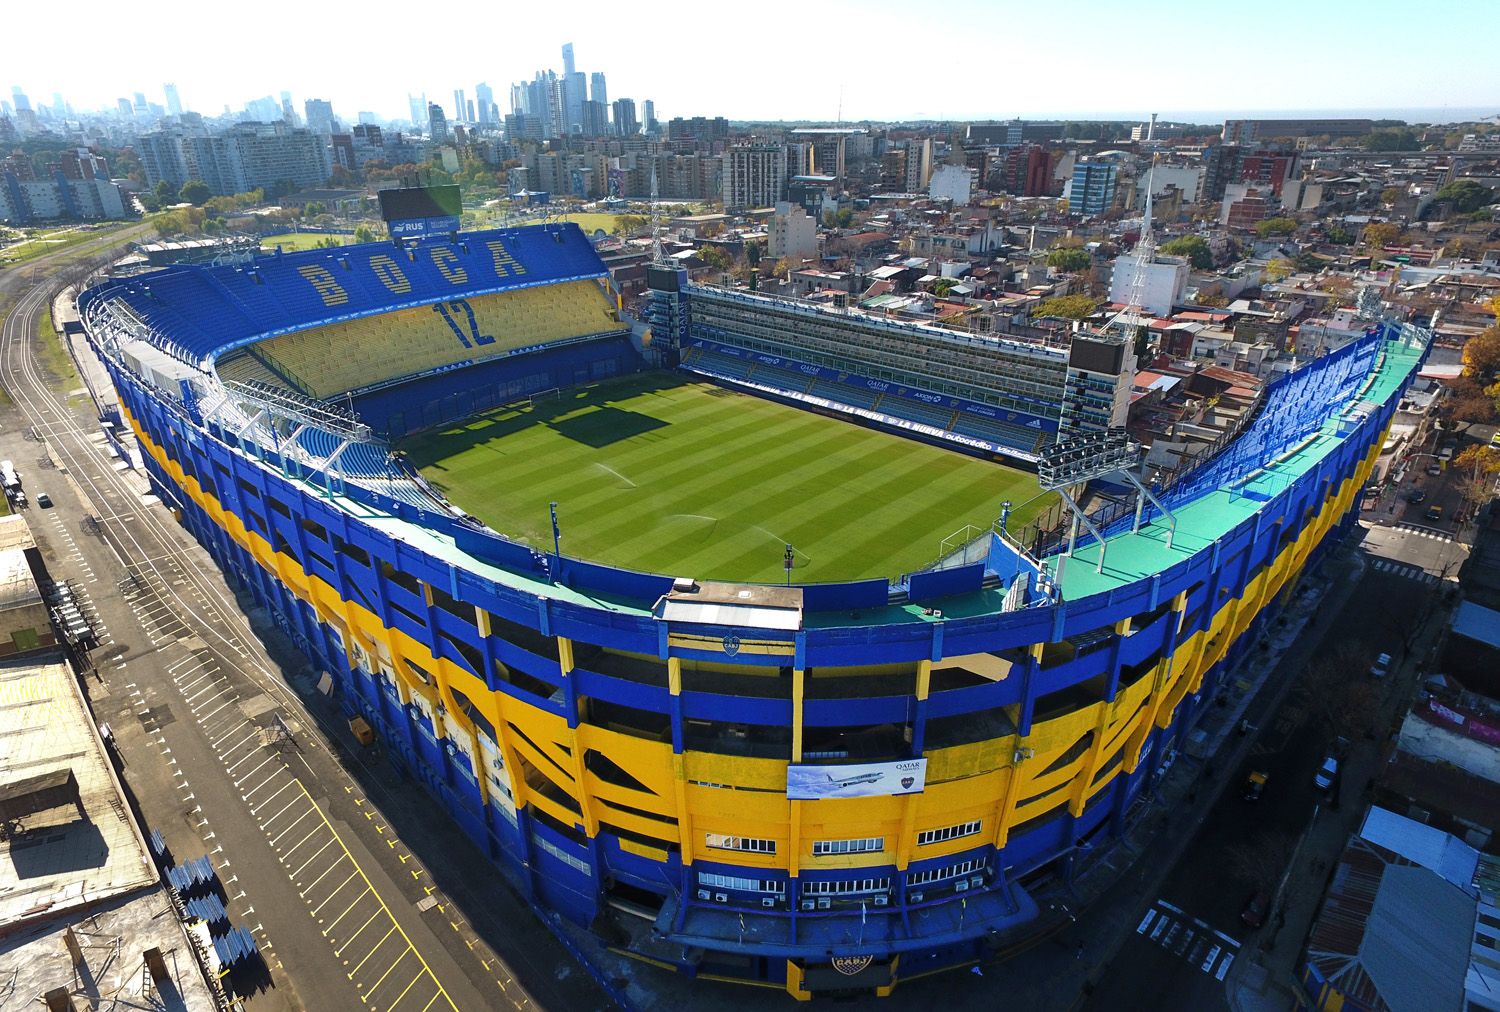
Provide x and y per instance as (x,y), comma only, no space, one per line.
(1265,977)
(1065,958)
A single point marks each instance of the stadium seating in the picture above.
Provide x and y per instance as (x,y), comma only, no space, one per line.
(367,352)
(917,411)
(718,364)
(845,394)
(207,309)
(1015,436)
(243,367)
(785,379)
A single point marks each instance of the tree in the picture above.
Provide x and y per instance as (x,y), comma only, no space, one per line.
(1481,355)
(1275,226)
(1466,195)
(328,242)
(1391,194)
(715,257)
(1194,247)
(1260,861)
(1380,234)
(164,192)
(1479,466)
(752,253)
(313,208)
(942,286)
(1069,307)
(1338,235)
(1398,139)
(364,233)
(1279,269)
(1069,261)
(1210,300)
(629,224)
(1334,690)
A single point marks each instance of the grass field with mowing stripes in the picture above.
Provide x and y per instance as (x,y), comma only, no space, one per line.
(663,474)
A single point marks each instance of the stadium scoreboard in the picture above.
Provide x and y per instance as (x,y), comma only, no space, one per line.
(420,210)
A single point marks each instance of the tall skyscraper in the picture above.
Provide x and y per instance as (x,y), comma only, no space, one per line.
(23,104)
(437,123)
(649,109)
(484,97)
(575,87)
(125,109)
(568,67)
(460,106)
(319,116)
(597,90)
(140,104)
(625,122)
(174,101)
(1092,190)
(288,114)
(418,106)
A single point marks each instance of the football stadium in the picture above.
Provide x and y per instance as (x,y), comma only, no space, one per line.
(828,778)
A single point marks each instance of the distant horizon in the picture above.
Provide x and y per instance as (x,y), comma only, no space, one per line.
(884,62)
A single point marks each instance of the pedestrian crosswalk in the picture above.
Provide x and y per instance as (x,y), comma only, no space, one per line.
(1403,569)
(1189,938)
(1425,532)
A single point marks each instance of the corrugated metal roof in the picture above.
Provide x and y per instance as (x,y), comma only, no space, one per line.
(1446,855)
(1417,940)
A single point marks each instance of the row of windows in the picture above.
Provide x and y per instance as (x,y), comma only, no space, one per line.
(847,887)
(712,880)
(948,832)
(869,845)
(751,845)
(917,878)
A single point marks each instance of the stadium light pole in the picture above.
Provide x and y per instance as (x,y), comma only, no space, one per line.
(556,534)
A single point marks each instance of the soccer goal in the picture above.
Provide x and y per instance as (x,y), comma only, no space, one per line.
(553,394)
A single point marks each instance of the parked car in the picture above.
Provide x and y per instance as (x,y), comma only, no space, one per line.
(1255,786)
(1326,774)
(1382,666)
(44,500)
(1416,495)
(1446,453)
(1434,513)
(1434,468)
(1256,908)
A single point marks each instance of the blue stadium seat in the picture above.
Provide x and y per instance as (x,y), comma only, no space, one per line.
(200,310)
(917,411)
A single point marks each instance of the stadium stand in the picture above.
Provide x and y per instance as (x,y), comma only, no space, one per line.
(718,364)
(196,312)
(776,376)
(845,394)
(243,367)
(365,353)
(913,410)
(995,431)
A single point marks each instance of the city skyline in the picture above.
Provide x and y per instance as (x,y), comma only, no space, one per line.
(1098,75)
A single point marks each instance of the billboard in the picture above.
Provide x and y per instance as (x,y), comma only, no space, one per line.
(423,226)
(856,780)
(405,202)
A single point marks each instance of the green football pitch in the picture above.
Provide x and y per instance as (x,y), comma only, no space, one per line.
(659,473)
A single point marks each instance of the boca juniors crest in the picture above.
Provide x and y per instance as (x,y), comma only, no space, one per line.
(851,965)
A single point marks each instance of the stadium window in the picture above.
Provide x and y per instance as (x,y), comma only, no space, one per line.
(846,887)
(405,581)
(247,489)
(867,845)
(259,521)
(418,670)
(917,878)
(458,609)
(277,506)
(523,681)
(711,880)
(413,617)
(948,833)
(745,844)
(314,528)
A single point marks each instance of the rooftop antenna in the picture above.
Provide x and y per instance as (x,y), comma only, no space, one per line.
(1132,317)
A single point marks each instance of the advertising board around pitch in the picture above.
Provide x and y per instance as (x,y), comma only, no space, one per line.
(856,780)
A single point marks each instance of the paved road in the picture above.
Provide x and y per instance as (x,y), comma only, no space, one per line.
(1187,939)
(314,846)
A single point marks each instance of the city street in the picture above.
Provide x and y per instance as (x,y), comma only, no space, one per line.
(1187,939)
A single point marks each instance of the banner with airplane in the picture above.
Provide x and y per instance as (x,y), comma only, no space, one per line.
(856,780)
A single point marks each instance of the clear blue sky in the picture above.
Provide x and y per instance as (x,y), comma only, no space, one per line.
(964,59)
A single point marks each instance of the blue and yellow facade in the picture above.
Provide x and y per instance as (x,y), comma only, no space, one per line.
(624,768)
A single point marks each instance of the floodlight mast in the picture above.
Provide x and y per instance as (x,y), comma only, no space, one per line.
(1084,458)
